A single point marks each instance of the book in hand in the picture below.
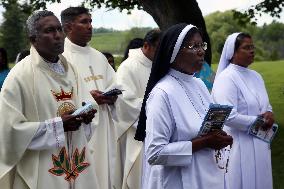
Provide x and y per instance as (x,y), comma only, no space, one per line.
(113,92)
(85,109)
(215,118)
(256,130)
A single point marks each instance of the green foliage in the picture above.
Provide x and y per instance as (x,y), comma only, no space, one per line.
(13,37)
(268,39)
(112,4)
(219,26)
(271,38)
(270,7)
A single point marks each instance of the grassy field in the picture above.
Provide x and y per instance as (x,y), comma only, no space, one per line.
(273,75)
(110,42)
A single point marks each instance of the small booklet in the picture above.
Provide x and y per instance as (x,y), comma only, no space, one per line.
(257,131)
(215,118)
(113,92)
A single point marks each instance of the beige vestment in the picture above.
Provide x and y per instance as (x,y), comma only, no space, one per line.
(33,93)
(96,72)
(132,76)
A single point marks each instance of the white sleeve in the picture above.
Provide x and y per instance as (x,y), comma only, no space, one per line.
(160,128)
(50,134)
(226,92)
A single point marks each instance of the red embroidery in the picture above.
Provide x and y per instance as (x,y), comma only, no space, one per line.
(63,164)
(62,95)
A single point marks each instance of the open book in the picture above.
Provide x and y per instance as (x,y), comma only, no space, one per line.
(257,131)
(215,118)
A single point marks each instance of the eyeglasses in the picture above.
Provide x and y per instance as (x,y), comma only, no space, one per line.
(197,46)
(248,47)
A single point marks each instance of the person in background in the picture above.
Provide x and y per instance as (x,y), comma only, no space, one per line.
(21,55)
(243,88)
(42,144)
(207,75)
(4,67)
(98,76)
(132,76)
(133,44)
(172,113)
(110,59)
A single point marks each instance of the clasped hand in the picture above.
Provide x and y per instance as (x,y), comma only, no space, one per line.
(218,139)
(73,123)
(268,120)
(101,99)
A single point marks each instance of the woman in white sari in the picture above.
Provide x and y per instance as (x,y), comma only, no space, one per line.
(237,85)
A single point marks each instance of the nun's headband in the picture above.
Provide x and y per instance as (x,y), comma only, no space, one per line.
(179,41)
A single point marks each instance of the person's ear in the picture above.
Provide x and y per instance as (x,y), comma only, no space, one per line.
(67,28)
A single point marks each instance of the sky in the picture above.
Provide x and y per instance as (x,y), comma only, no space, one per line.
(139,18)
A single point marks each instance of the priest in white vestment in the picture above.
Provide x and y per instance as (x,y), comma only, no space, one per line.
(42,146)
(237,85)
(97,75)
(132,76)
(173,109)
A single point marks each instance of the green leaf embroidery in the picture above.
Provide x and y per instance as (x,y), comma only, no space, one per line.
(76,157)
(56,163)
(63,165)
(57,171)
(82,155)
(82,166)
(67,164)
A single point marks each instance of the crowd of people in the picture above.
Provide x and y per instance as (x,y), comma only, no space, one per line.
(145,138)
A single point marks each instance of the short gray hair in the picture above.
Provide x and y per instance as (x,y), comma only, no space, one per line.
(33,19)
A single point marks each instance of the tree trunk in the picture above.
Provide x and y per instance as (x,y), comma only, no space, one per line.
(170,12)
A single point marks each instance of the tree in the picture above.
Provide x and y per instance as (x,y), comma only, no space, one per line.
(13,35)
(268,39)
(271,7)
(220,25)
(168,12)
(164,12)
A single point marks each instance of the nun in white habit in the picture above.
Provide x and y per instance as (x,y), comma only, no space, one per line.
(175,157)
(235,84)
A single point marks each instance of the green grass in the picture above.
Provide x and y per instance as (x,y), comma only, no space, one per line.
(110,42)
(273,75)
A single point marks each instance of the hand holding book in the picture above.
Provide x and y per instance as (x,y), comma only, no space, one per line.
(259,130)
(215,118)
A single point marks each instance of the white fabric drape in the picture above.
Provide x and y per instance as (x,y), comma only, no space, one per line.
(97,74)
(227,53)
(250,158)
(131,76)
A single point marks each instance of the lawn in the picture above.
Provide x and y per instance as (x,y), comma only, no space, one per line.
(111,42)
(273,75)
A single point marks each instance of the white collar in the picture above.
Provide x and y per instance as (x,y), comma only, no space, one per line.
(76,48)
(238,68)
(138,54)
(180,75)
